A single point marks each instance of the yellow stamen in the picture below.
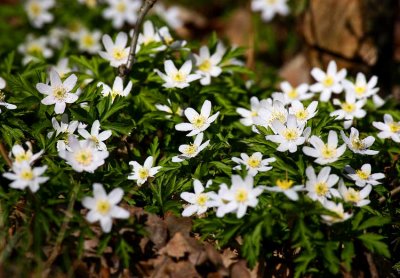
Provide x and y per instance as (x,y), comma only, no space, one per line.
(291,134)
(119,53)
(26,174)
(302,114)
(179,77)
(202,199)
(84,157)
(241,195)
(205,65)
(328,81)
(253,162)
(360,90)
(59,92)
(348,107)
(362,175)
(293,94)
(143,173)
(190,150)
(352,195)
(321,188)
(394,127)
(284,184)
(328,152)
(35,9)
(199,121)
(103,207)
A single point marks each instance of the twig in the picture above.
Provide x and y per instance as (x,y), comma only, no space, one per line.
(4,154)
(125,69)
(372,267)
(61,234)
(392,193)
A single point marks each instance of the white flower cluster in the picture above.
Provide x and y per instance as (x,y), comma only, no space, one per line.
(23,174)
(198,123)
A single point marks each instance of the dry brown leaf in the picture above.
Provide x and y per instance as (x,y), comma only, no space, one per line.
(229,257)
(178,224)
(240,270)
(179,245)
(157,230)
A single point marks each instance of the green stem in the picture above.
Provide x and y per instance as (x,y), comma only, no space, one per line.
(61,233)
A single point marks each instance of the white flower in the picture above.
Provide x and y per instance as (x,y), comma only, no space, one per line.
(199,201)
(363,176)
(121,11)
(389,129)
(363,89)
(338,210)
(167,39)
(250,116)
(141,173)
(288,137)
(254,163)
(117,89)
(150,35)
(171,15)
(271,110)
(2,98)
(325,153)
(207,65)
(329,82)
(24,175)
(291,93)
(357,145)
(303,114)
(38,13)
(241,194)
(64,128)
(89,3)
(62,67)
(34,48)
(89,41)
(356,197)
(58,92)
(350,109)
(83,156)
(198,122)
(21,156)
(286,187)
(103,207)
(175,78)
(95,137)
(56,36)
(321,187)
(168,109)
(2,83)
(117,53)
(189,151)
(269,8)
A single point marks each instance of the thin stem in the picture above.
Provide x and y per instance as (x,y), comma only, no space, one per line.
(125,69)
(4,154)
(392,193)
(61,234)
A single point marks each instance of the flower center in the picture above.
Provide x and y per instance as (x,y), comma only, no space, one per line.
(88,40)
(254,113)
(95,140)
(328,152)
(271,2)
(84,157)
(278,115)
(360,90)
(91,3)
(348,107)
(121,7)
(302,114)
(35,9)
(328,81)
(357,144)
(35,49)
(179,77)
(143,173)
(22,157)
(293,94)
(205,65)
(253,162)
(284,184)
(290,134)
(103,207)
(26,174)
(119,53)
(2,96)
(394,127)
(59,93)
(321,188)
(241,195)
(202,199)
(190,150)
(362,175)
(353,196)
(199,121)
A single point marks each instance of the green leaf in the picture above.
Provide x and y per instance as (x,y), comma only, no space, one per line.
(373,243)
